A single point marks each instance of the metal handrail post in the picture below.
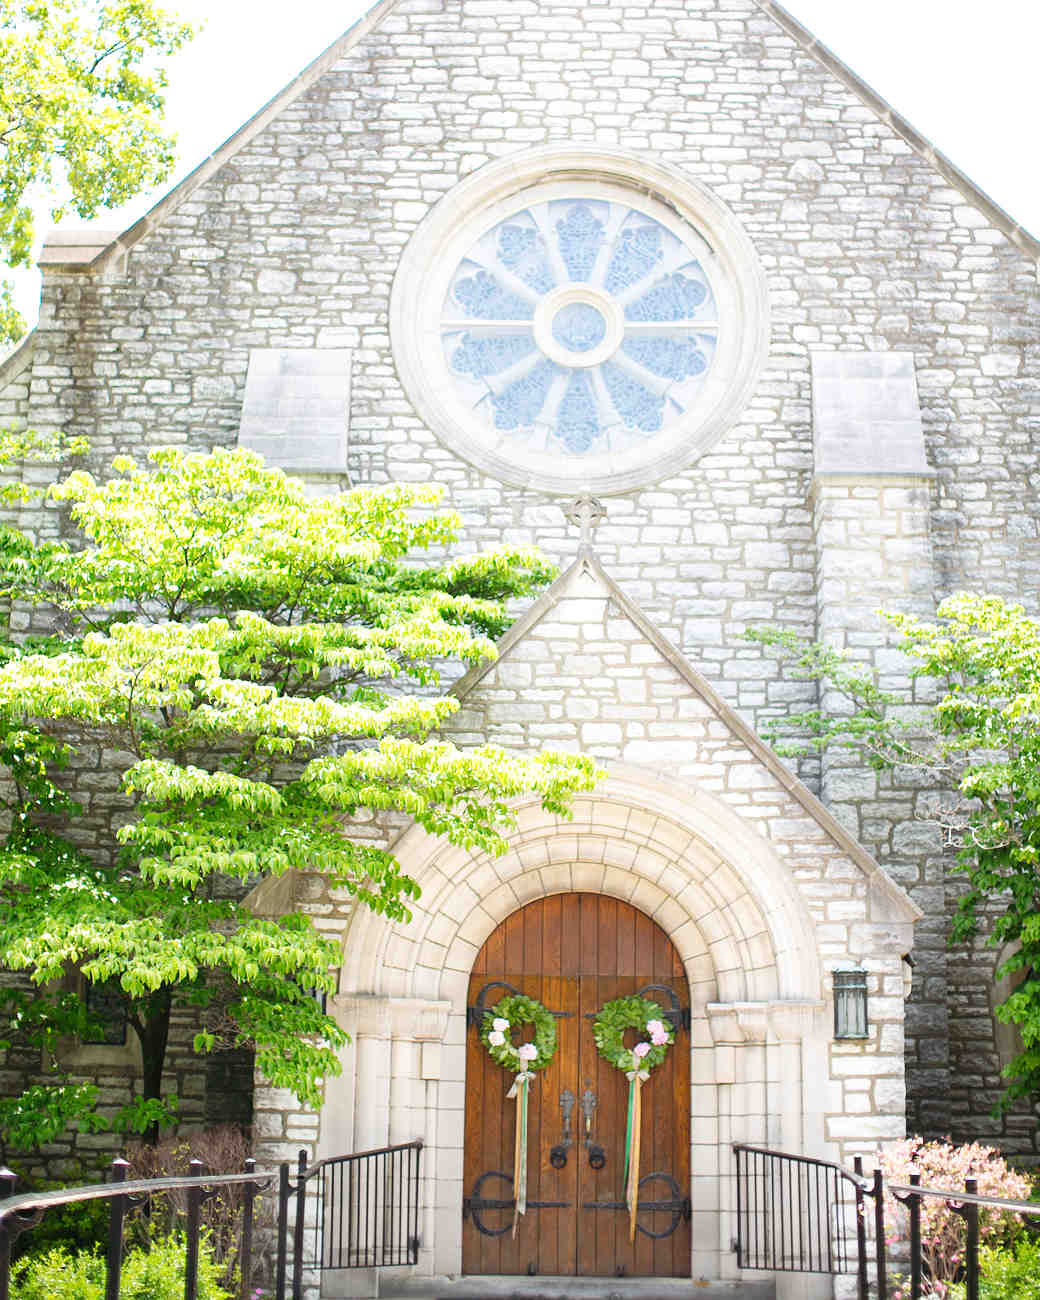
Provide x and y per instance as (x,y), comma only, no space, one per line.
(191,1258)
(861,1233)
(8,1182)
(879,1235)
(914,1203)
(116,1215)
(971,1219)
(301,1201)
(283,1229)
(246,1260)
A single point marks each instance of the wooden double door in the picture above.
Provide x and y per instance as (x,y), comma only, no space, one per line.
(575,952)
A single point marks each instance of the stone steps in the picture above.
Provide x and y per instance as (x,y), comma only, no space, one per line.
(572,1288)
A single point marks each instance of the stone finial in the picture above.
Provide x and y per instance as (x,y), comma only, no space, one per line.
(585,513)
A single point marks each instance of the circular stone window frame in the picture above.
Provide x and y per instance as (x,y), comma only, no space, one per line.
(507,186)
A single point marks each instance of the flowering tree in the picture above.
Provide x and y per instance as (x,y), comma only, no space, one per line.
(943,1165)
(268,662)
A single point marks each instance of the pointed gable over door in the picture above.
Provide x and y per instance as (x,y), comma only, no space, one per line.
(585,669)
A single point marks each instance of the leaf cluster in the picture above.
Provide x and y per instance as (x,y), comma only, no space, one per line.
(519,1010)
(611,1022)
(81,98)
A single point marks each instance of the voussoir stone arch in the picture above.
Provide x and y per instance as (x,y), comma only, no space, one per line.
(715,885)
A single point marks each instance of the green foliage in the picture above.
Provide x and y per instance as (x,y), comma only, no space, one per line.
(158,1273)
(276,677)
(511,1013)
(153,1274)
(1007,1274)
(147,1114)
(980,740)
(43,1111)
(81,87)
(647,1018)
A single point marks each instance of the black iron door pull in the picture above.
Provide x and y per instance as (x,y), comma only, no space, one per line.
(597,1156)
(676,1205)
(477,1204)
(558,1155)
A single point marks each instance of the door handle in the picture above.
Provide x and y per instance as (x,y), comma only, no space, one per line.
(558,1155)
(597,1156)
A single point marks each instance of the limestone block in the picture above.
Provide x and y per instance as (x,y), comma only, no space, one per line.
(297,406)
(866,416)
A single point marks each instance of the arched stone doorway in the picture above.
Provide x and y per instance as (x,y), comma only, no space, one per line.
(575,952)
(727,901)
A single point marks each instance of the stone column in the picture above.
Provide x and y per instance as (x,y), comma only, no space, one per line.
(384,1096)
(871,494)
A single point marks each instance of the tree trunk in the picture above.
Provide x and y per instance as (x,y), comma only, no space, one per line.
(152,1026)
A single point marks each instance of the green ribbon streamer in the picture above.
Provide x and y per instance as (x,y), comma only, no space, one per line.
(520,1090)
(628,1130)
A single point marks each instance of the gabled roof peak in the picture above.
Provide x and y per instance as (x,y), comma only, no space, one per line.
(585,578)
(60,251)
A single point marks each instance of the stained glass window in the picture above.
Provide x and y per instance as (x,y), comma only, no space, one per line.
(579,326)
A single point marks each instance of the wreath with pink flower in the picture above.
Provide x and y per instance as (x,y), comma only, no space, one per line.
(509,1014)
(648,1019)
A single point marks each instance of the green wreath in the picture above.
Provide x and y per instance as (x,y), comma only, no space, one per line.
(512,1011)
(633,1013)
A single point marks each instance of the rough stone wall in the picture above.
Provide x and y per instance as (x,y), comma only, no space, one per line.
(15,375)
(295,241)
(873,550)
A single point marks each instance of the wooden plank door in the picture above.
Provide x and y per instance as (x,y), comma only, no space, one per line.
(574,952)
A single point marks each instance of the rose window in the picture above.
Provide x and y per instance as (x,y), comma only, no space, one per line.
(580,327)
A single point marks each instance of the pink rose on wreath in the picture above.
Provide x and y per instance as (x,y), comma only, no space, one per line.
(654,1027)
(496,1038)
(640,1050)
(659,1039)
(527,1051)
(500,1023)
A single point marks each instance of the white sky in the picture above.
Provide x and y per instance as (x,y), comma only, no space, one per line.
(963,72)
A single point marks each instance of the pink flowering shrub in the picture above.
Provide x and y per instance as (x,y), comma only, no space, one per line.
(943,1165)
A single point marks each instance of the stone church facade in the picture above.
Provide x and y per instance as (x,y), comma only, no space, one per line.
(665,290)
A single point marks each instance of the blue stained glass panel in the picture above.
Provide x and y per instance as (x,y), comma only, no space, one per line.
(482,296)
(517,406)
(577,421)
(636,253)
(579,327)
(579,235)
(676,297)
(638,407)
(671,358)
(479,354)
(522,250)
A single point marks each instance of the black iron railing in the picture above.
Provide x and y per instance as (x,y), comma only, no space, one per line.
(794,1213)
(19,1214)
(364,1212)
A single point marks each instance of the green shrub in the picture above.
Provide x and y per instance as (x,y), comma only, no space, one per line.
(155,1274)
(57,1275)
(1008,1274)
(158,1274)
